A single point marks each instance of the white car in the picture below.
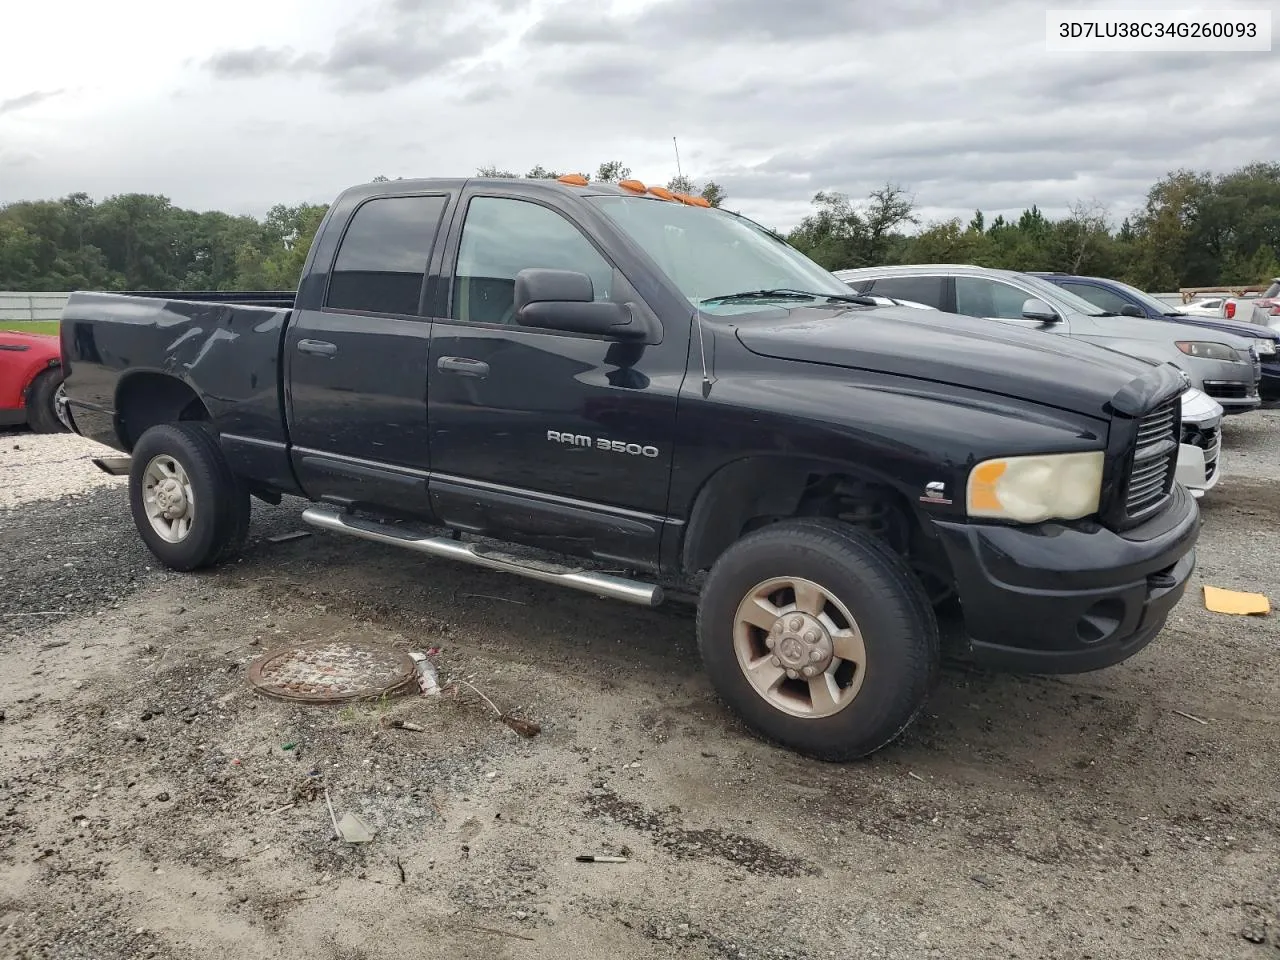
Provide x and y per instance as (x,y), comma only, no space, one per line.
(1199,454)
(1226,308)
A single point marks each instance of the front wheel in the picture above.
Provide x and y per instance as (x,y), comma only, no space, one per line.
(189,508)
(819,636)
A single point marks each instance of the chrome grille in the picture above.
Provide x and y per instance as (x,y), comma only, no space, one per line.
(1154,459)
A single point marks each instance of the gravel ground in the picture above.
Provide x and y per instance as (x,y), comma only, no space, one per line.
(37,466)
(148,807)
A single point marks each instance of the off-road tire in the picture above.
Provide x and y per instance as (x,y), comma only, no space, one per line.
(221,519)
(899,632)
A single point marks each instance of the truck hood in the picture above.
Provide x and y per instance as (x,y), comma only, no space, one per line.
(983,355)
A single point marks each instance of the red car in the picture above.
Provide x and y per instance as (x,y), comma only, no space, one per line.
(30,375)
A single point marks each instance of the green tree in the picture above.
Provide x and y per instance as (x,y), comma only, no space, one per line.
(839,235)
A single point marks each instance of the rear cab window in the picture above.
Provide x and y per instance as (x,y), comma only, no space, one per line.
(382,260)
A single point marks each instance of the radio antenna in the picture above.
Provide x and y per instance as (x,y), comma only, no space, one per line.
(677,149)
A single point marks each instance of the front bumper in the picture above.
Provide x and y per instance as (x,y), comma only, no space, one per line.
(1234,385)
(1269,385)
(1059,598)
(1197,469)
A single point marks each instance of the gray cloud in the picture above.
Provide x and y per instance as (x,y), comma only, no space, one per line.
(13,104)
(412,39)
(674,23)
(776,99)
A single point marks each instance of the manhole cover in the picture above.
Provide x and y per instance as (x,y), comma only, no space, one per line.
(331,671)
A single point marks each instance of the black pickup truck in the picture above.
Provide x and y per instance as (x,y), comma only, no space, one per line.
(607,376)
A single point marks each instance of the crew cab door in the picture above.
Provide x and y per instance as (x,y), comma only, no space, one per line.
(554,439)
(356,355)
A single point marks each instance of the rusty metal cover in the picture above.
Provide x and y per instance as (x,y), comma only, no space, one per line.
(331,671)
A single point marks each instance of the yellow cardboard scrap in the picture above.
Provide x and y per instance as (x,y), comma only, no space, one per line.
(1233,601)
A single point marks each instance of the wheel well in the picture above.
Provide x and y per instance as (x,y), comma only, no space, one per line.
(147,399)
(754,493)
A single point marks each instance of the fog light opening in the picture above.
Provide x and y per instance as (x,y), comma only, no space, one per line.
(1101,621)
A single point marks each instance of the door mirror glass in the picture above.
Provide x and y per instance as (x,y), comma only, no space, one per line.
(1039,311)
(1129,310)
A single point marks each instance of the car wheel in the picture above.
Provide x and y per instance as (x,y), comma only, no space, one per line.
(189,508)
(819,636)
(42,415)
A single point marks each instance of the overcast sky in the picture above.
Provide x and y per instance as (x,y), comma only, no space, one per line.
(245,103)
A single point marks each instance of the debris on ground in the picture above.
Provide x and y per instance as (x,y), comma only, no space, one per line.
(1234,601)
(428,678)
(353,829)
(404,725)
(593,858)
(1191,717)
(286,537)
(526,728)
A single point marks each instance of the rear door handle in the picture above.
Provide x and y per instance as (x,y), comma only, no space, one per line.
(321,348)
(463,366)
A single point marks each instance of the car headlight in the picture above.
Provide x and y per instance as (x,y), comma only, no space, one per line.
(1208,351)
(1265,348)
(1059,486)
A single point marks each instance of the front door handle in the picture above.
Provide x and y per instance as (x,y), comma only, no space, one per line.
(463,366)
(321,348)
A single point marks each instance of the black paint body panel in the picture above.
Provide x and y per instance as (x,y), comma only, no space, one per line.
(358,409)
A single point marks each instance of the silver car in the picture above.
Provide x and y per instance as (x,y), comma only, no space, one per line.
(1224,366)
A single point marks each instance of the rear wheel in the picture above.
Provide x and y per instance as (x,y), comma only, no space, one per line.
(189,508)
(819,636)
(42,416)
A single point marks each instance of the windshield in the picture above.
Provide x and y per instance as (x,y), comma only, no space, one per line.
(1150,302)
(1055,296)
(711,253)
(1272,291)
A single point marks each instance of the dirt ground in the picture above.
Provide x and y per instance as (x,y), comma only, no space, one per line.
(149,806)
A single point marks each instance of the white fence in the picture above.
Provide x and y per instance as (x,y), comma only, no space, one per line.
(31,306)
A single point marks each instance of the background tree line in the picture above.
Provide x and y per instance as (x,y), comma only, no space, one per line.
(1195,229)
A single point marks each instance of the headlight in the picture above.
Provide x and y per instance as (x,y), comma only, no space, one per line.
(1208,351)
(1061,486)
(1266,348)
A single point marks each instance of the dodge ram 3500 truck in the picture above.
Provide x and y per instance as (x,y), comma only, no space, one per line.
(607,376)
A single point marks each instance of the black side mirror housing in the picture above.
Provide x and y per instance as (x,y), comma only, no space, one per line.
(1129,310)
(565,300)
(1039,311)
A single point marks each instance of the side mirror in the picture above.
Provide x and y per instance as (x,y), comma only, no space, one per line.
(1039,311)
(1129,310)
(564,300)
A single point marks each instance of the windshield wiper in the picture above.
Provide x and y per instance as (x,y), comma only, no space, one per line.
(786,293)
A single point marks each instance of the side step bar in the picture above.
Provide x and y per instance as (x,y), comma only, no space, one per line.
(116,466)
(601,584)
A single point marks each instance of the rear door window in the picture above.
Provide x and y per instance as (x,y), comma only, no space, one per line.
(383,257)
